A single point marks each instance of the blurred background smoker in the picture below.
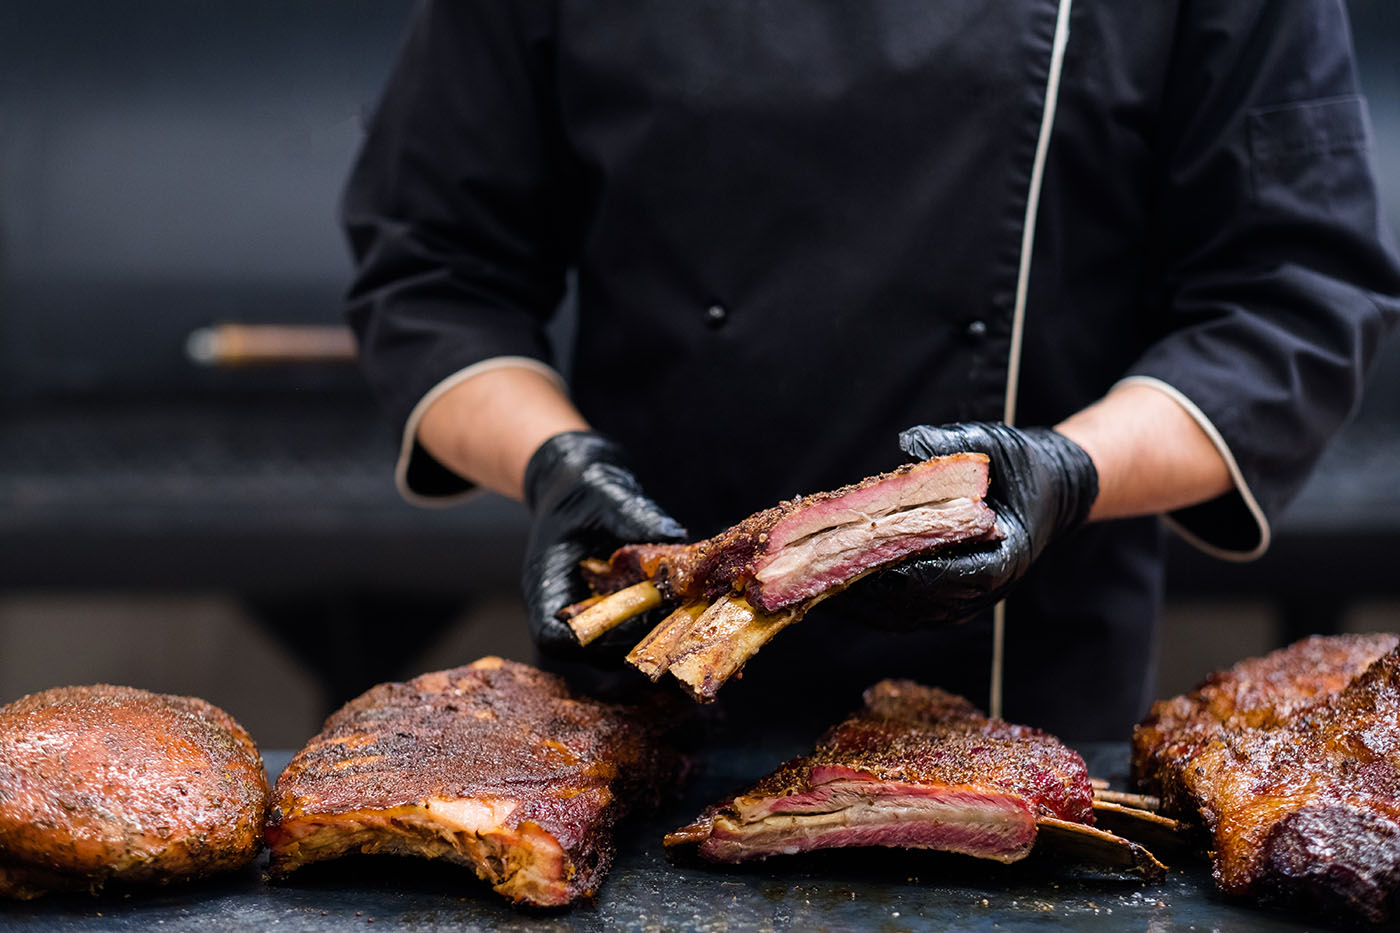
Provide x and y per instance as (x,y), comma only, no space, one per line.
(195,487)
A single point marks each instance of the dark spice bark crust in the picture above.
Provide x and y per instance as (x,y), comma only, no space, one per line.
(495,765)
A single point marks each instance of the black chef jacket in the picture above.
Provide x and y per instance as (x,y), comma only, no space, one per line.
(800,227)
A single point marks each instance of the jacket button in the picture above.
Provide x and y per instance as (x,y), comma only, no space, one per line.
(977,329)
(715,316)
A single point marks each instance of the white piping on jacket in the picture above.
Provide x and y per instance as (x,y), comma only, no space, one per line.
(410,428)
(1231,464)
(1023,281)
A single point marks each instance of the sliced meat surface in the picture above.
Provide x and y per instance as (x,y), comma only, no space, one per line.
(496,766)
(731,594)
(917,768)
(106,784)
(805,546)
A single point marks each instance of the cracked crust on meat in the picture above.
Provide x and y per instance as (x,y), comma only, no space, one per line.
(1296,777)
(1257,693)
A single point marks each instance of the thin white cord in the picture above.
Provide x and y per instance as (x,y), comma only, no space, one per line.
(1042,151)
(998,656)
(1023,281)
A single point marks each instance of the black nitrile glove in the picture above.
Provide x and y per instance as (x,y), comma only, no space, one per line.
(1042,486)
(584,502)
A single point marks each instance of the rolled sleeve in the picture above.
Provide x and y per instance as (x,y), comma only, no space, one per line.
(458,216)
(419,476)
(1280,279)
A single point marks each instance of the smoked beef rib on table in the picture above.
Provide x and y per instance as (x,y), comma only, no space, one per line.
(495,765)
(113,784)
(918,768)
(1292,762)
(740,588)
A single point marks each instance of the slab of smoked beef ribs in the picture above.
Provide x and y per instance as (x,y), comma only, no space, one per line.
(806,546)
(112,784)
(916,768)
(495,765)
(740,588)
(1292,761)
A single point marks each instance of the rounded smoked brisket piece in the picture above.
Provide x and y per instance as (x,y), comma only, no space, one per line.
(116,784)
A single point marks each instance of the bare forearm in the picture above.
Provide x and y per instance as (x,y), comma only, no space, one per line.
(486,428)
(1151,456)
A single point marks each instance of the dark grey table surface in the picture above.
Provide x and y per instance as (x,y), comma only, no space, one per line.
(839,890)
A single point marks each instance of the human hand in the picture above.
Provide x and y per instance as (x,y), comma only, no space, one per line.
(1042,486)
(584,502)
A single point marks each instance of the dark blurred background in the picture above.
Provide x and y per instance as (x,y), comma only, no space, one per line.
(191,505)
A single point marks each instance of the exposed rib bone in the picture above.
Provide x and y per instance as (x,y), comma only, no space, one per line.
(573,612)
(1143,826)
(653,655)
(1099,847)
(1136,801)
(614,609)
(722,641)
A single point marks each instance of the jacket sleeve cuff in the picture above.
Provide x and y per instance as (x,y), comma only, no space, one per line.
(419,477)
(1231,527)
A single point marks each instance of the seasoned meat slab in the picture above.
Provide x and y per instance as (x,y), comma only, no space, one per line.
(1256,693)
(495,765)
(916,768)
(1300,784)
(805,546)
(113,784)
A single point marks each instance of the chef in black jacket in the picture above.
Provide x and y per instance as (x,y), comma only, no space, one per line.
(801,228)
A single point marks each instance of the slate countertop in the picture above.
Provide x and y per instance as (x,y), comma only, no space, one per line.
(837,890)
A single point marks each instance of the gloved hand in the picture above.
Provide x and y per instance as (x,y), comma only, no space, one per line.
(1042,486)
(584,502)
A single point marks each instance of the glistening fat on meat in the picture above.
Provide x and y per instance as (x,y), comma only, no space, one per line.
(1256,693)
(1292,761)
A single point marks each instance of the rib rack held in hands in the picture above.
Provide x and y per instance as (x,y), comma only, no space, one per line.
(919,768)
(737,590)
